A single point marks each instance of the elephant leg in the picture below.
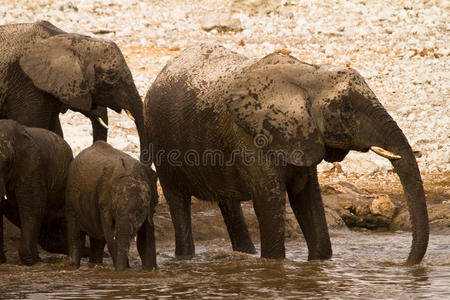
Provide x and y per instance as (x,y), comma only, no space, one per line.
(28,252)
(269,205)
(30,219)
(2,249)
(308,209)
(146,244)
(96,250)
(236,226)
(180,211)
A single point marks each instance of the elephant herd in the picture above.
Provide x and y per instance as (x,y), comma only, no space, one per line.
(216,125)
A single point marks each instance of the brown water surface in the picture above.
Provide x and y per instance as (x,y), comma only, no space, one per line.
(364,265)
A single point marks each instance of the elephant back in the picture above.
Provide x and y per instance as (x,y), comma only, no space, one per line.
(201,69)
(208,96)
(185,92)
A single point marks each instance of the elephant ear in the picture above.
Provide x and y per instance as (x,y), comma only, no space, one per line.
(54,67)
(268,105)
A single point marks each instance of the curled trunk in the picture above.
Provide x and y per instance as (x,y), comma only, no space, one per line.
(385,133)
(408,172)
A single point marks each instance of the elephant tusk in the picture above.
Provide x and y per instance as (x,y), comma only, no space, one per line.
(129,114)
(384,153)
(100,120)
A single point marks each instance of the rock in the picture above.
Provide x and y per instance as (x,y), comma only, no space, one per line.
(283,51)
(438,216)
(382,206)
(68,6)
(221,22)
(334,221)
(102,31)
(360,210)
(340,188)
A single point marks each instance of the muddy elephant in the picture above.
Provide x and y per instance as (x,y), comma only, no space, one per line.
(227,128)
(34,164)
(45,71)
(111,197)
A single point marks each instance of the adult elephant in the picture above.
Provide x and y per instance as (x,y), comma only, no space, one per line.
(45,71)
(268,122)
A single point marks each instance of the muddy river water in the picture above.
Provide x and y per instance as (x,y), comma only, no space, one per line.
(364,265)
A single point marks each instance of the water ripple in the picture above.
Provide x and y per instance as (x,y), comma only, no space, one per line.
(363,266)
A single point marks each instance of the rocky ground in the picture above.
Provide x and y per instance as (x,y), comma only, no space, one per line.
(400,47)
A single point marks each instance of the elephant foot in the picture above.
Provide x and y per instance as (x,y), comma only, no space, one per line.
(185,251)
(120,268)
(184,257)
(28,257)
(29,261)
(236,226)
(321,255)
(73,263)
(245,248)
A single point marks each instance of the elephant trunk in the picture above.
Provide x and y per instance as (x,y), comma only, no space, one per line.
(409,174)
(123,244)
(136,108)
(385,133)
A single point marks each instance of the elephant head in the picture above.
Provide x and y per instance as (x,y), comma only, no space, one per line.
(84,73)
(323,112)
(135,197)
(10,133)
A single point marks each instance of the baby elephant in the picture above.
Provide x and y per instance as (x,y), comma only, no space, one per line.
(34,164)
(111,197)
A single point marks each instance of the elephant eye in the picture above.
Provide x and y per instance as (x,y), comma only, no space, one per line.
(110,77)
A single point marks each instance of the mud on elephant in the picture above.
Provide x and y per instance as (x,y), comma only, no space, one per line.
(45,71)
(111,197)
(289,116)
(33,170)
